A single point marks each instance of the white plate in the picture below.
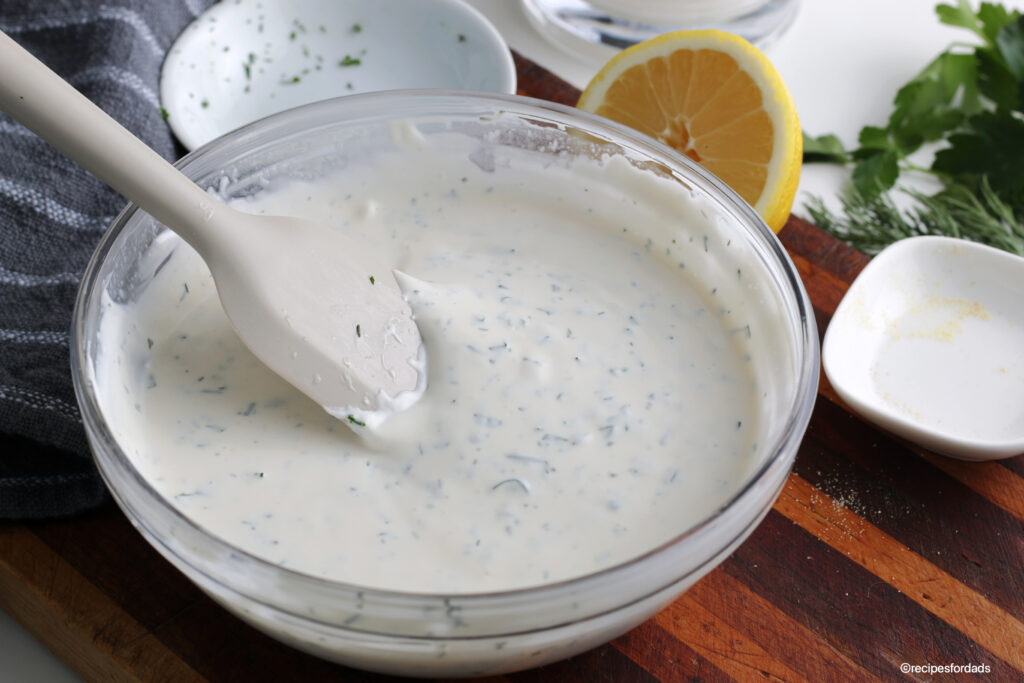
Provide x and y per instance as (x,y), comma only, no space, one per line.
(929,344)
(245,59)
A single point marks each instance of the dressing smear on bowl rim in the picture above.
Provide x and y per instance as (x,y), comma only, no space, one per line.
(591,391)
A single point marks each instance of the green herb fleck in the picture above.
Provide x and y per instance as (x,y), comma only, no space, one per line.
(372,280)
(359,331)
(205,104)
(462,37)
(357,28)
(164,114)
(352,419)
(349,60)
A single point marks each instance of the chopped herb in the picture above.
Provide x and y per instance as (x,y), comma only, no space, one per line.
(462,37)
(522,484)
(205,104)
(352,419)
(349,60)
(357,28)
(372,280)
(164,114)
(359,331)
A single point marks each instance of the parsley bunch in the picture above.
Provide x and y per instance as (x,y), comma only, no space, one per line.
(969,103)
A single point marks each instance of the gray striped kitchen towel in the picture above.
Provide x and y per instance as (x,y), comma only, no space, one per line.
(52,214)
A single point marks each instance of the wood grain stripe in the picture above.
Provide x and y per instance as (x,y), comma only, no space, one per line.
(990,479)
(829,253)
(542,83)
(605,664)
(754,619)
(718,642)
(674,660)
(858,614)
(1015,465)
(825,289)
(78,621)
(933,514)
(966,610)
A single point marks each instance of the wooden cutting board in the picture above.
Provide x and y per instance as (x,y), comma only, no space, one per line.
(877,554)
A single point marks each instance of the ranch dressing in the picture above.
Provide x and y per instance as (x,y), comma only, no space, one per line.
(588,398)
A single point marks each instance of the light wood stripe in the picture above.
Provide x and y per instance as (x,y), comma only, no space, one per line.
(76,619)
(721,644)
(933,589)
(828,288)
(740,631)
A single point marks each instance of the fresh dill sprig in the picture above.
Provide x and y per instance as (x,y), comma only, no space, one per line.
(871,222)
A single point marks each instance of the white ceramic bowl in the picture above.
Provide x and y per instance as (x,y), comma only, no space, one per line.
(929,343)
(466,633)
(245,59)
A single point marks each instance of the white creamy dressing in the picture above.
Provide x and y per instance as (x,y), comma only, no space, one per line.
(589,397)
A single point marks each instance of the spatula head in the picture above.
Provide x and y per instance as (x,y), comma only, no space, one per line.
(324,316)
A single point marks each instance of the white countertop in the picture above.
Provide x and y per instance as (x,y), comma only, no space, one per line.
(843,62)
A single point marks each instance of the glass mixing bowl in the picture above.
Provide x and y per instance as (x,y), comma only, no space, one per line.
(467,633)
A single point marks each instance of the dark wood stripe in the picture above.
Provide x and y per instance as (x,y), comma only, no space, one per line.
(674,659)
(854,611)
(958,605)
(1015,465)
(542,83)
(606,664)
(99,544)
(827,252)
(929,511)
(989,479)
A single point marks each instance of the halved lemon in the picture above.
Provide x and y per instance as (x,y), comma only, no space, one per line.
(717,99)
